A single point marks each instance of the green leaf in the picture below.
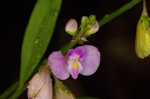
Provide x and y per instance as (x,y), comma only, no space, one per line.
(37,36)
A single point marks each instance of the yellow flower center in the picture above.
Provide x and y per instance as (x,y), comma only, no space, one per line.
(75,64)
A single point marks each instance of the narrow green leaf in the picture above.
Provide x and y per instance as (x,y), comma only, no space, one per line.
(37,36)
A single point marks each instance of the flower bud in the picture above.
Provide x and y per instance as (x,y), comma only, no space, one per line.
(40,86)
(71,27)
(142,43)
(84,21)
(89,25)
(93,29)
(92,19)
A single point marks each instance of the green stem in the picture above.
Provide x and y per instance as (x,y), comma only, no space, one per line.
(107,18)
(18,92)
(144,7)
(68,46)
(9,91)
(71,44)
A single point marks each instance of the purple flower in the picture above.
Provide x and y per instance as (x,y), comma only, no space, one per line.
(83,60)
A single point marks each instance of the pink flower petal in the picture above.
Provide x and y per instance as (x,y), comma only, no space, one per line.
(91,60)
(40,86)
(56,62)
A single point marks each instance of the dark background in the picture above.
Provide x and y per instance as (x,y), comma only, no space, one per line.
(121,74)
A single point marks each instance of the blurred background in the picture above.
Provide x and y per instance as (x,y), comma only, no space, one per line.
(121,74)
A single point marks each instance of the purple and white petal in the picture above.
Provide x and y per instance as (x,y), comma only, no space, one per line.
(74,57)
(72,53)
(69,53)
(80,52)
(74,68)
(56,62)
(91,60)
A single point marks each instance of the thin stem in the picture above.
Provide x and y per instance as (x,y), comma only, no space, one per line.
(71,44)
(18,92)
(144,7)
(107,18)
(9,91)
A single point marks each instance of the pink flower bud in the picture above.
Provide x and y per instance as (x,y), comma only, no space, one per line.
(40,86)
(71,27)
